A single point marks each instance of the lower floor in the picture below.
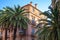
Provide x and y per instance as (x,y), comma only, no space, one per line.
(28,34)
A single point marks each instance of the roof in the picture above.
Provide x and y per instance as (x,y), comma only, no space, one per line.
(32,6)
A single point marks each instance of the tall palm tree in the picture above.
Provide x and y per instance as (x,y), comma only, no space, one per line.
(3,22)
(13,17)
(51,30)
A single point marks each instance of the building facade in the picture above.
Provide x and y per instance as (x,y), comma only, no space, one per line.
(34,15)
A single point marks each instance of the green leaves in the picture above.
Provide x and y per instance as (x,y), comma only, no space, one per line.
(13,16)
(51,32)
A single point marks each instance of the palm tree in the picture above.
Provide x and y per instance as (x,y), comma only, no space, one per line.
(3,22)
(14,17)
(51,30)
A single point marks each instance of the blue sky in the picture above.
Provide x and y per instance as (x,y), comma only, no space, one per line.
(41,4)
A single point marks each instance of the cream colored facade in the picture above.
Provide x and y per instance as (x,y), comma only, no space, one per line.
(33,13)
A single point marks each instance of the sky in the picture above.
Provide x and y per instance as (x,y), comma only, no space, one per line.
(42,5)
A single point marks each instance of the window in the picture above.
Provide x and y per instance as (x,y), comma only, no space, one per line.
(33,22)
(32,10)
(26,14)
(33,31)
(33,18)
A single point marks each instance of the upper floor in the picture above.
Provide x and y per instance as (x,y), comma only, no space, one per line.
(33,13)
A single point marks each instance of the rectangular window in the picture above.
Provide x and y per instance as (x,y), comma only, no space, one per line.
(33,31)
(27,14)
(33,18)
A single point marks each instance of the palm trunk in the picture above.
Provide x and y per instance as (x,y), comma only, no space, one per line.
(11,34)
(3,34)
(15,29)
(56,35)
(20,37)
(6,34)
(4,37)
